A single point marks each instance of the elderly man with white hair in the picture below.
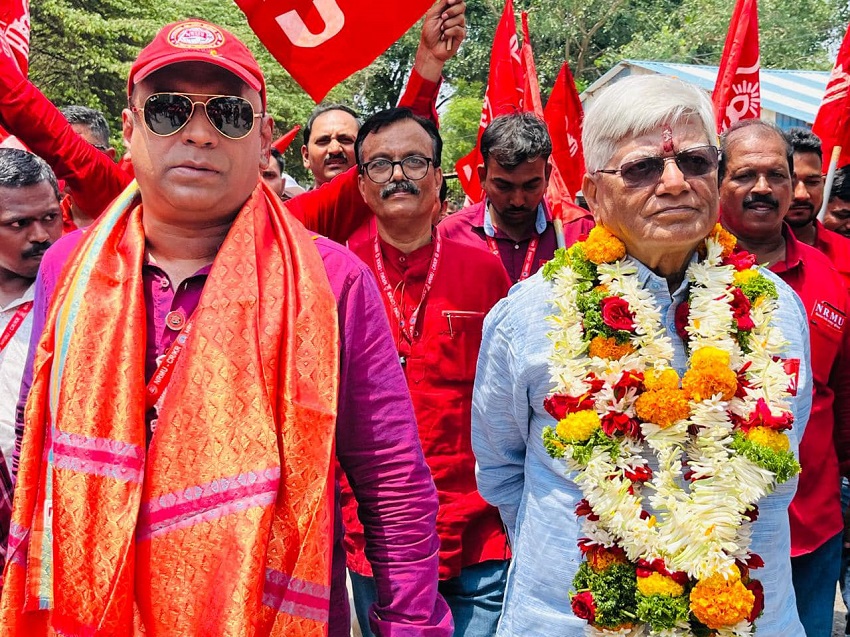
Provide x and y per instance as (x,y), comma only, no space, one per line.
(639,402)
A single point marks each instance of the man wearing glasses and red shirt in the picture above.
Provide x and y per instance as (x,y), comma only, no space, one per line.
(203,361)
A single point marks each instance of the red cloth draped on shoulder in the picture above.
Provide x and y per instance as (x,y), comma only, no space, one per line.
(223,524)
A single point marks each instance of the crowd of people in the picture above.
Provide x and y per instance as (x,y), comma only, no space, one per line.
(225,395)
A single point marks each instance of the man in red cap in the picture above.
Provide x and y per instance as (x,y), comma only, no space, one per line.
(202,358)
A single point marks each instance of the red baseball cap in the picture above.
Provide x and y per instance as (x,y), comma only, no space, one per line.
(198,41)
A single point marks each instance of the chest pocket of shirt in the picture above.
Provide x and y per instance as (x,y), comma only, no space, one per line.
(454,352)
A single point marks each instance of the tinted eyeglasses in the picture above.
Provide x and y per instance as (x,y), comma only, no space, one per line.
(646,171)
(381,171)
(167,113)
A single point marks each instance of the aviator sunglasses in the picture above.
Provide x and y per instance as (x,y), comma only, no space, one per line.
(646,171)
(167,113)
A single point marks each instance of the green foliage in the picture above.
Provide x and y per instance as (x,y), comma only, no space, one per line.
(662,611)
(759,286)
(613,592)
(459,128)
(581,451)
(782,463)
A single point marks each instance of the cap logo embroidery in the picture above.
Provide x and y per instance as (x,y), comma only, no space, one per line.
(195,35)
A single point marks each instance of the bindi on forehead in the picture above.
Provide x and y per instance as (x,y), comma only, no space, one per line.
(667,138)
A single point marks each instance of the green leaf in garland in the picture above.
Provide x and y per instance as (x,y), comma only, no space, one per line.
(782,463)
(662,611)
(613,592)
(759,286)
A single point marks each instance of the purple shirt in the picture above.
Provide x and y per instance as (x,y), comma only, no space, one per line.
(377,442)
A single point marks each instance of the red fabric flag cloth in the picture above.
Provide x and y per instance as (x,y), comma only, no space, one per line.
(737,92)
(564,115)
(322,42)
(15,31)
(557,193)
(504,95)
(283,142)
(831,121)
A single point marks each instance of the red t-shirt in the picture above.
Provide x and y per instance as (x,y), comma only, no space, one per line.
(440,368)
(467,227)
(815,511)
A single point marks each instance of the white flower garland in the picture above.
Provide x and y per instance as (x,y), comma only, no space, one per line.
(704,529)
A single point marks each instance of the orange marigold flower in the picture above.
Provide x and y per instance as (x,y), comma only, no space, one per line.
(604,347)
(719,602)
(603,247)
(726,240)
(662,407)
(710,356)
(661,379)
(603,559)
(658,584)
(708,380)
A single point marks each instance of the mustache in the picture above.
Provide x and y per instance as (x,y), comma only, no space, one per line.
(802,204)
(755,198)
(334,157)
(37,250)
(399,186)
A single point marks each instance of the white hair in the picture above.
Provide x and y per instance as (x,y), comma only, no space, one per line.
(638,104)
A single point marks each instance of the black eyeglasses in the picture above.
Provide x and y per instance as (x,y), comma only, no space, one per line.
(167,113)
(646,171)
(381,171)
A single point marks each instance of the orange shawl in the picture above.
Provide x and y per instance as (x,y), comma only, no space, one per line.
(223,525)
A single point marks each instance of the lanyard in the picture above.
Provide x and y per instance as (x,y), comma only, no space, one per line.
(407,327)
(14,324)
(530,252)
(163,372)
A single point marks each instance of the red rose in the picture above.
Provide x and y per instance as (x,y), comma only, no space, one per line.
(584,607)
(583,508)
(681,320)
(559,405)
(740,260)
(743,383)
(755,587)
(615,422)
(755,560)
(639,474)
(616,314)
(753,514)
(629,379)
(741,310)
(761,416)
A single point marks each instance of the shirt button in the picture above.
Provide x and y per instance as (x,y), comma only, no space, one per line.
(164,283)
(174,320)
(402,259)
(416,334)
(516,246)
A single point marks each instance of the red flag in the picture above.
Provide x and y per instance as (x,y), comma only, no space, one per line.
(322,42)
(557,193)
(283,142)
(737,93)
(564,116)
(503,95)
(832,118)
(15,31)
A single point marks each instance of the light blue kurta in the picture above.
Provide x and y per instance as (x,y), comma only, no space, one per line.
(537,499)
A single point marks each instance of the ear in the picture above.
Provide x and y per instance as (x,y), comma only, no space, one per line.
(548,170)
(304,157)
(266,132)
(128,124)
(588,188)
(361,185)
(482,173)
(110,152)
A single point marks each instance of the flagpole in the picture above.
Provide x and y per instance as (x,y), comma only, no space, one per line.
(830,177)
(559,232)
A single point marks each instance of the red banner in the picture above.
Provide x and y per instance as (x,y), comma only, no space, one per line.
(831,121)
(564,115)
(737,92)
(283,142)
(15,31)
(322,42)
(504,95)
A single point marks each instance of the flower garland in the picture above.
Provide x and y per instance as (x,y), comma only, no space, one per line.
(716,436)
